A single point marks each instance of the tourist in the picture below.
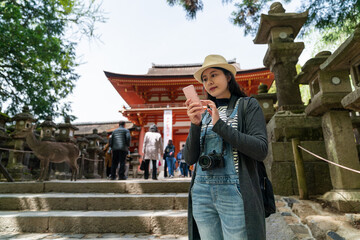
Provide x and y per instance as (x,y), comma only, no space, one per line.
(225,200)
(165,167)
(119,143)
(169,156)
(152,147)
(183,166)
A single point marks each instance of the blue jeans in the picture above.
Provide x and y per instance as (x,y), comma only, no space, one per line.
(170,161)
(184,169)
(218,210)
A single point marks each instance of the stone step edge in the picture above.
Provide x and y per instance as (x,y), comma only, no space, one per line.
(113,213)
(127,186)
(88,195)
(92,202)
(127,236)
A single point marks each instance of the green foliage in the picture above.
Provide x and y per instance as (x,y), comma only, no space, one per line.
(37,61)
(190,6)
(332,18)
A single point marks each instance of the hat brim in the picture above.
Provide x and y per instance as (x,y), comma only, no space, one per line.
(229,67)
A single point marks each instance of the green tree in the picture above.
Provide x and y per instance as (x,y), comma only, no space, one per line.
(332,18)
(37,53)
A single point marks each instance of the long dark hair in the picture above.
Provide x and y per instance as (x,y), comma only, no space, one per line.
(233,86)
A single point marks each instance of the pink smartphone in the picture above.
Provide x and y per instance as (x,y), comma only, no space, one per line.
(190,93)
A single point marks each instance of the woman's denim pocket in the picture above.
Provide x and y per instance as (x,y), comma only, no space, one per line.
(237,185)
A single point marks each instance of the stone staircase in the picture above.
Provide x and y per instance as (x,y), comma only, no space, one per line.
(95,206)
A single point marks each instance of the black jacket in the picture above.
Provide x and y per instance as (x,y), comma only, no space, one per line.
(120,139)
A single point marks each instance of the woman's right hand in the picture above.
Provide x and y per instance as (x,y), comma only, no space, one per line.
(194,111)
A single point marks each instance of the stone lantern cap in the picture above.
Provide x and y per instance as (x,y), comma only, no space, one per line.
(263,93)
(311,67)
(94,136)
(346,55)
(24,115)
(67,124)
(278,18)
(48,123)
(104,139)
(81,140)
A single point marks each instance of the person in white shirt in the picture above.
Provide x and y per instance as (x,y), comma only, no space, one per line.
(152,147)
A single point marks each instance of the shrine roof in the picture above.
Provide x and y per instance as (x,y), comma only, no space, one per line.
(168,70)
(86,128)
(173,73)
(180,69)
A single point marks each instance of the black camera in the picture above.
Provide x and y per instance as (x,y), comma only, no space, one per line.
(211,161)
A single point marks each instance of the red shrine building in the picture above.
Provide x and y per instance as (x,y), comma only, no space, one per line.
(157,97)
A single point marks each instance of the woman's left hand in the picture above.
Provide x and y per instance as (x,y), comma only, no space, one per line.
(212,109)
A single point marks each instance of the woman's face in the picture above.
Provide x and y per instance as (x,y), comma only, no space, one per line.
(216,83)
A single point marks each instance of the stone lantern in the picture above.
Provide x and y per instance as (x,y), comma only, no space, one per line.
(66,134)
(24,119)
(327,88)
(329,83)
(348,58)
(279,29)
(48,128)
(266,101)
(82,143)
(91,166)
(66,131)
(16,168)
(135,162)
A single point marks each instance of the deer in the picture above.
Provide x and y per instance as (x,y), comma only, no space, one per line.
(56,152)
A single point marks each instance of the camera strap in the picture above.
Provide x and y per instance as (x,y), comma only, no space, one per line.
(202,147)
(229,110)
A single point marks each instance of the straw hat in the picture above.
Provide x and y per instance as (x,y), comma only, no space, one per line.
(214,61)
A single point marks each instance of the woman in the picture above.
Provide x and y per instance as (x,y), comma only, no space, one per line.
(169,156)
(152,147)
(225,200)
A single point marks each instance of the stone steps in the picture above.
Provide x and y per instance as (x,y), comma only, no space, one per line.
(95,206)
(99,186)
(156,222)
(92,201)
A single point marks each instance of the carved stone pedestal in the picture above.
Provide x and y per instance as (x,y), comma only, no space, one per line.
(135,164)
(91,166)
(282,127)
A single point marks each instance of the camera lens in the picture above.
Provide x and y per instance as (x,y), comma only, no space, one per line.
(205,161)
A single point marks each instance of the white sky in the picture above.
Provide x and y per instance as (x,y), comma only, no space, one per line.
(141,32)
